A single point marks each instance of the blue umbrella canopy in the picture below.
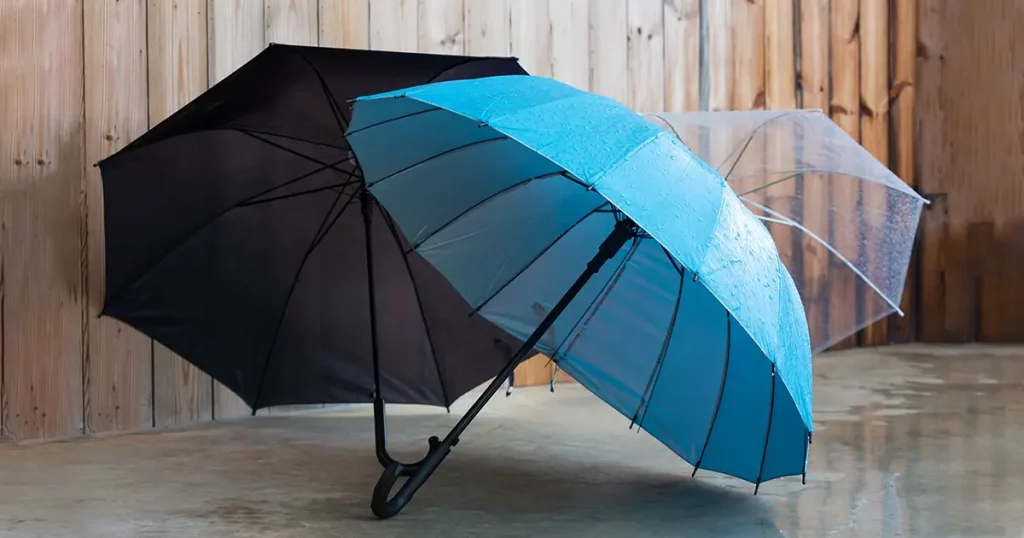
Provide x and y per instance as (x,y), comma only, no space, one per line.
(693,328)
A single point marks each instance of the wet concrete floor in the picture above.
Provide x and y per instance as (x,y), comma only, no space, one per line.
(911,441)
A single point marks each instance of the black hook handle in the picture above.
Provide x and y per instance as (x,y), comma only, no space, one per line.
(381,505)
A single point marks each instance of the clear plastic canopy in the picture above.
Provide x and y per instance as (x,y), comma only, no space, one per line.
(844,224)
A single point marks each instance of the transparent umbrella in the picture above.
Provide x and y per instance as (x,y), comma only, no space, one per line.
(844,224)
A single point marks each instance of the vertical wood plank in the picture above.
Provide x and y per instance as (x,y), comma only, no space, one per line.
(487,28)
(720,55)
(570,41)
(41,216)
(747,76)
(345,24)
(682,55)
(119,360)
(931,143)
(646,56)
(441,26)
(236,34)
(530,35)
(177,73)
(780,94)
(814,93)
(970,119)
(780,57)
(393,25)
(609,48)
(874,124)
(747,34)
(903,329)
(292,22)
(844,108)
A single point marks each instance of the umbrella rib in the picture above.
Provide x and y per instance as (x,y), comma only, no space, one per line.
(671,127)
(389,120)
(303,155)
(297,194)
(289,137)
(721,391)
(786,220)
(746,143)
(185,238)
(480,203)
(331,101)
(652,382)
(803,475)
(676,265)
(767,432)
(439,155)
(325,226)
(595,303)
(419,304)
(537,257)
(769,184)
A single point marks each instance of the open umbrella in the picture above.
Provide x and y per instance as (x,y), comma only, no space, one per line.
(239,235)
(843,222)
(668,295)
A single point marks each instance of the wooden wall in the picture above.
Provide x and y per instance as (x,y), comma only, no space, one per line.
(81,78)
(970,129)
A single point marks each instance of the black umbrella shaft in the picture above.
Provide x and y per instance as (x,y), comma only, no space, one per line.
(366,202)
(622,232)
(418,473)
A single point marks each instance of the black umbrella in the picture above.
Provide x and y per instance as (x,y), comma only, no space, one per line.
(239,235)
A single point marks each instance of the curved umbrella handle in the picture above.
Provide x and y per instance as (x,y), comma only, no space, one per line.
(381,505)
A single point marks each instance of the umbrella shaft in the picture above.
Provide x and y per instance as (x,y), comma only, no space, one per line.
(417,473)
(623,232)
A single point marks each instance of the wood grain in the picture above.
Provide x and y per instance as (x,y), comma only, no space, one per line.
(780,94)
(874,124)
(814,93)
(970,158)
(844,108)
(570,41)
(393,25)
(117,383)
(237,32)
(530,35)
(646,56)
(42,217)
(441,26)
(177,73)
(720,55)
(903,92)
(487,28)
(345,24)
(682,55)
(609,49)
(748,65)
(293,22)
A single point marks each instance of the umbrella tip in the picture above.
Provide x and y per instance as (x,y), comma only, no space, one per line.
(757,487)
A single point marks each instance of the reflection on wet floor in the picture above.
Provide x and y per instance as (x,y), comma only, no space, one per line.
(910,441)
(915,442)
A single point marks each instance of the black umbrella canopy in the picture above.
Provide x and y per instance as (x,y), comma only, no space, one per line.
(236,236)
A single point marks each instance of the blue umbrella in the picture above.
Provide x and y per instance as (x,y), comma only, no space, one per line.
(669,297)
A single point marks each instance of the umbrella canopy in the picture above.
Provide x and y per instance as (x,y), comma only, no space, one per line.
(238,235)
(843,222)
(520,188)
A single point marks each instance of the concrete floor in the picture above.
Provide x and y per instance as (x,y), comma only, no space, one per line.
(911,441)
